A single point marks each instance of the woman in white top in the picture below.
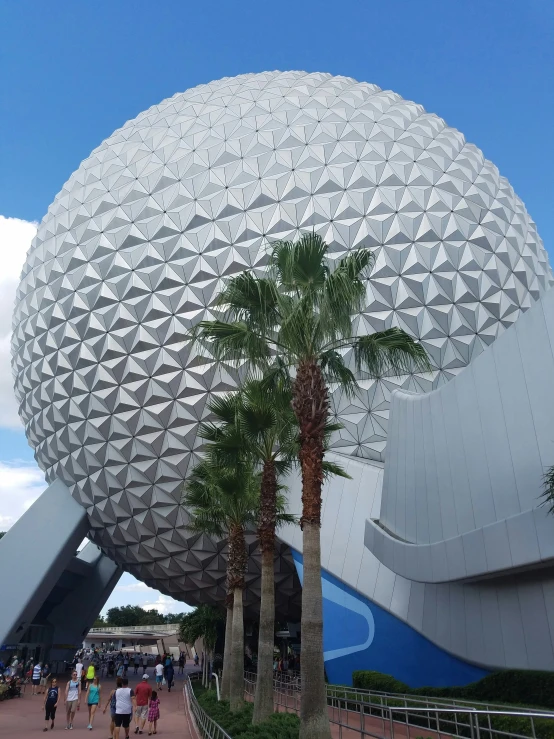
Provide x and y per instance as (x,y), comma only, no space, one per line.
(72,698)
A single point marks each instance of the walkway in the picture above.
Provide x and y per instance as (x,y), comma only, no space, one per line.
(23,717)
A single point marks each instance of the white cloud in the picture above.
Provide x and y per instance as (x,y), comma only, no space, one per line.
(15,239)
(20,485)
(164,604)
(133,587)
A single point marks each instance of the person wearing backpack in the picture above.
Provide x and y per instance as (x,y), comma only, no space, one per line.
(111,704)
(51,703)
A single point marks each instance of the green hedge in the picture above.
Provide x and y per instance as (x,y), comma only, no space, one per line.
(520,687)
(239,725)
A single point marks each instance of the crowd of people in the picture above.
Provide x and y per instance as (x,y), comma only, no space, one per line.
(125,703)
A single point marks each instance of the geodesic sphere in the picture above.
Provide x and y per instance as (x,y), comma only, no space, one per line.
(135,247)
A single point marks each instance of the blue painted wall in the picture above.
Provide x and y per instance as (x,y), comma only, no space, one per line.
(360,635)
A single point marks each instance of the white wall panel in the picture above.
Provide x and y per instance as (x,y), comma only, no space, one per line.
(522,439)
(538,364)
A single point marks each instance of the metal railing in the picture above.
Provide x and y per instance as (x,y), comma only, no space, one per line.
(386,715)
(206,726)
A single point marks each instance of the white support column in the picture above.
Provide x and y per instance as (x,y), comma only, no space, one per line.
(33,555)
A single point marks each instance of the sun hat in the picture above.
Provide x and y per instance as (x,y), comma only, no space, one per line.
(145,676)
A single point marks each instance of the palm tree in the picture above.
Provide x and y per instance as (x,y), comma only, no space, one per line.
(301,312)
(263,427)
(224,502)
(201,624)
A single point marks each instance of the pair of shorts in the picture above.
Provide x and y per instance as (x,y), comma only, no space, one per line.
(93,704)
(141,712)
(71,706)
(159,679)
(50,712)
(122,719)
(43,681)
(36,681)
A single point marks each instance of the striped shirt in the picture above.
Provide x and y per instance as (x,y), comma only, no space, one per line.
(37,669)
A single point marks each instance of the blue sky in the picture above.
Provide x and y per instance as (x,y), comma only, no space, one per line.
(72,72)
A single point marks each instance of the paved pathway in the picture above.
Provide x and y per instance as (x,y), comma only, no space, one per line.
(23,717)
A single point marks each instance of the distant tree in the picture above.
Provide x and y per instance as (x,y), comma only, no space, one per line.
(201,624)
(174,618)
(99,623)
(2,534)
(133,616)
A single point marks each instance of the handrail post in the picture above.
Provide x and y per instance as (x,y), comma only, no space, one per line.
(214,674)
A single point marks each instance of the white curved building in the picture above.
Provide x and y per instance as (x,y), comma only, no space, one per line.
(134,250)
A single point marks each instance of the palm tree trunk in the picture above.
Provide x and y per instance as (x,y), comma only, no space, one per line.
(236,688)
(311,406)
(314,716)
(263,701)
(226,678)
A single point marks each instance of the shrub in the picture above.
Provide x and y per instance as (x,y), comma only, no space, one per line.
(239,724)
(370,680)
(520,687)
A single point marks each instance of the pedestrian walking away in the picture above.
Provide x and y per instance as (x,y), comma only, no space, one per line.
(144,662)
(143,693)
(44,677)
(79,668)
(159,675)
(111,704)
(136,662)
(93,699)
(72,699)
(37,672)
(125,706)
(50,704)
(91,673)
(153,714)
(169,675)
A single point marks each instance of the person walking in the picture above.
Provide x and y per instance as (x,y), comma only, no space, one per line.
(125,664)
(51,700)
(72,699)
(169,675)
(143,692)
(79,666)
(93,699)
(44,677)
(125,706)
(91,673)
(181,663)
(136,662)
(111,704)
(144,662)
(37,672)
(153,714)
(159,675)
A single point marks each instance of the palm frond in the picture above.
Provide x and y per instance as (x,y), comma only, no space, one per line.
(224,407)
(232,342)
(333,469)
(344,293)
(548,490)
(335,371)
(250,299)
(301,265)
(389,352)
